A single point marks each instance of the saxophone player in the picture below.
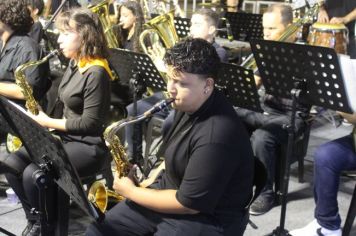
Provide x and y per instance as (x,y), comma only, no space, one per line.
(204,25)
(17,48)
(207,181)
(83,98)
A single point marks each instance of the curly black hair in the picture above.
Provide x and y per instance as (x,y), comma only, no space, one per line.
(195,56)
(16,15)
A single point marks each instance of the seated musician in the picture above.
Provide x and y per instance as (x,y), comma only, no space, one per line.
(204,24)
(17,49)
(267,129)
(131,21)
(207,181)
(128,30)
(330,160)
(84,101)
(36,9)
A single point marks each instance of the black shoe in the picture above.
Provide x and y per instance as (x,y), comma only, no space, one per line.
(262,204)
(35,230)
(28,228)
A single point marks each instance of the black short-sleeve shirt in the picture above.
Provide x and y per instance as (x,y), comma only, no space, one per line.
(18,50)
(209,160)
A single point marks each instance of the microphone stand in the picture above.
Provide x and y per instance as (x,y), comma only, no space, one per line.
(51,20)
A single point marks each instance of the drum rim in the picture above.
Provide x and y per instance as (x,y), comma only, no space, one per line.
(328,27)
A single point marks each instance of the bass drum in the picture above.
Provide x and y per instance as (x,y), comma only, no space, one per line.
(329,35)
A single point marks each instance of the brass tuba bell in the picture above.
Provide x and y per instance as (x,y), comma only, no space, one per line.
(102,10)
(163,26)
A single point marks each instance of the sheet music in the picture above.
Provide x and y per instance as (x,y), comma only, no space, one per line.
(348,71)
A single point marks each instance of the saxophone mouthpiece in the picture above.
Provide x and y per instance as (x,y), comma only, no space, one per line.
(51,54)
(158,107)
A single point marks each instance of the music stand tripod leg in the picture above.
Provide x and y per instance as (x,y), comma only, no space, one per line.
(42,181)
(280,230)
(137,87)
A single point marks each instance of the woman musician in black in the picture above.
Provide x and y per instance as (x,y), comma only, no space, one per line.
(83,96)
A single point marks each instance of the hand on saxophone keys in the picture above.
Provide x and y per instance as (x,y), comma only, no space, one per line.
(124,185)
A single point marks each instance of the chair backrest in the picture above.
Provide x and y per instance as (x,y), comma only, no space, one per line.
(259,180)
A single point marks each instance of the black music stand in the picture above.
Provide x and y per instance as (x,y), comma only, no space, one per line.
(238,85)
(47,152)
(182,26)
(128,64)
(244,26)
(138,70)
(305,73)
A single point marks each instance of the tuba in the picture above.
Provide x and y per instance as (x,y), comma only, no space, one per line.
(13,143)
(159,28)
(250,63)
(102,10)
(98,193)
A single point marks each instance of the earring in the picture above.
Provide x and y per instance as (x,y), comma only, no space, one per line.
(206,91)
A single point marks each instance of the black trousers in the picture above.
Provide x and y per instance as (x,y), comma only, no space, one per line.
(129,219)
(86,159)
(267,136)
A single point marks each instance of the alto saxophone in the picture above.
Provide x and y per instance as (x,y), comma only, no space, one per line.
(13,143)
(98,193)
(20,78)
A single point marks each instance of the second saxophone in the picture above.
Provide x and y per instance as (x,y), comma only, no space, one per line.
(98,193)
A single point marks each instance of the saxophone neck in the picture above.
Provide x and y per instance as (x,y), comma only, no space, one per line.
(24,66)
(50,55)
(110,131)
